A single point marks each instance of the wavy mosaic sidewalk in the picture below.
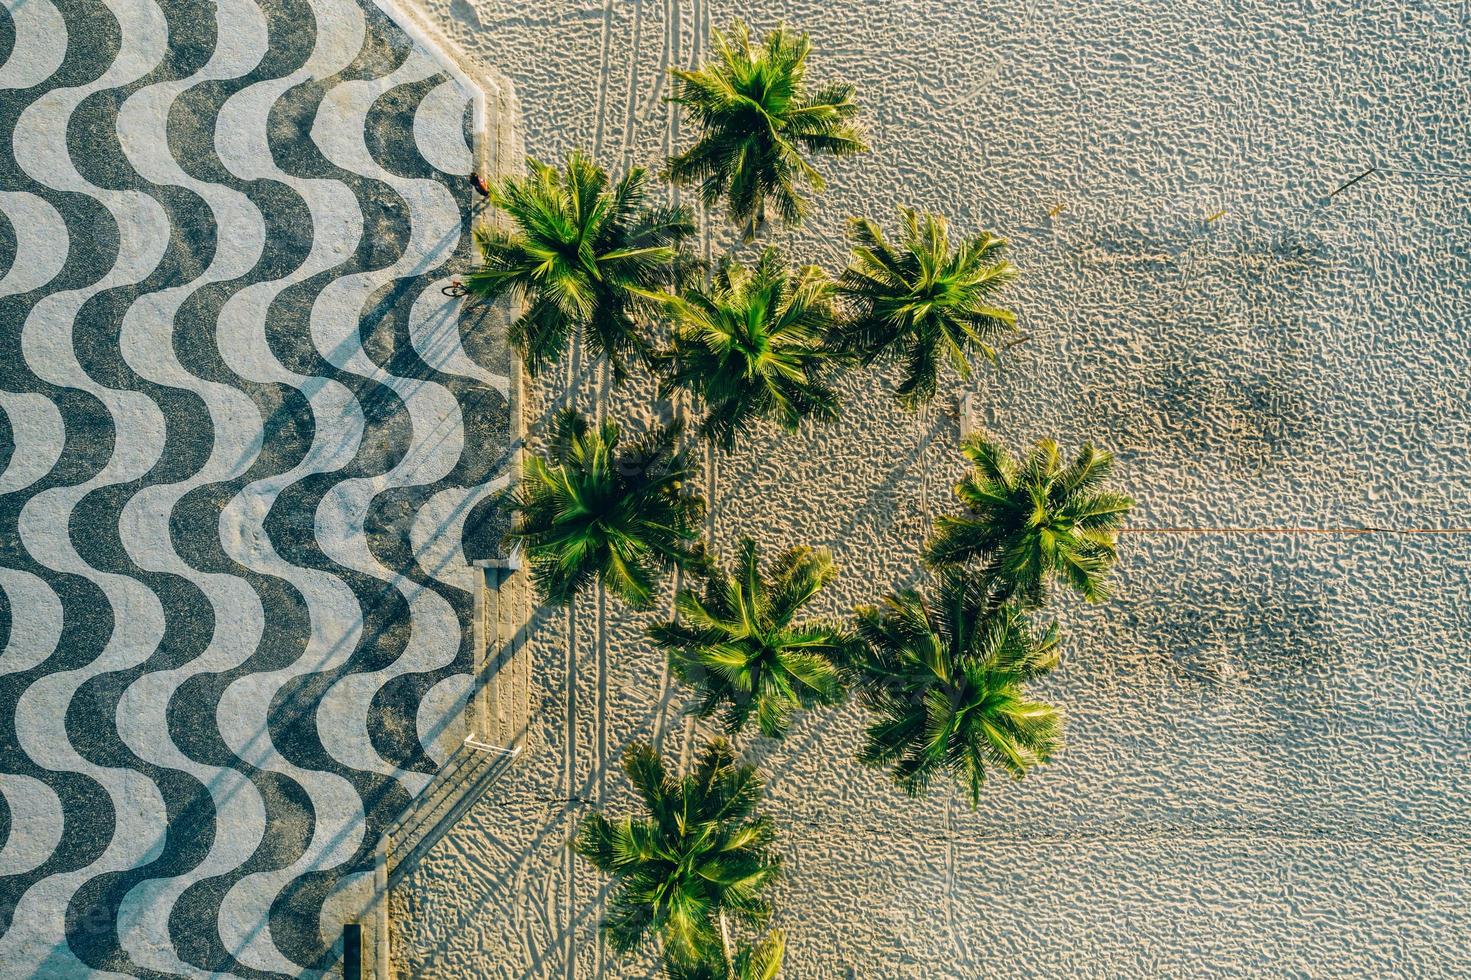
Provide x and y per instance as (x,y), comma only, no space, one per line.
(241,445)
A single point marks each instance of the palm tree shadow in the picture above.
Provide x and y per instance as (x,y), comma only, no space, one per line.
(877,505)
(1268,630)
(560,822)
(484,530)
(1230,356)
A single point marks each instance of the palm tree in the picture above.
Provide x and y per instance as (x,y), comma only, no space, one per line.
(738,647)
(757,122)
(699,856)
(1033,521)
(920,301)
(582,256)
(945,676)
(591,510)
(751,346)
(759,962)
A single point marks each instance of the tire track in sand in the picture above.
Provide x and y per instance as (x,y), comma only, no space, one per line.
(625,155)
(569,908)
(681,415)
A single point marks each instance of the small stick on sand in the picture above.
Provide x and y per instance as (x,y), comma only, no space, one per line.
(1344,187)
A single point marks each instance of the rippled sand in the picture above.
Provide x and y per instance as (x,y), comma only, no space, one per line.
(1267,770)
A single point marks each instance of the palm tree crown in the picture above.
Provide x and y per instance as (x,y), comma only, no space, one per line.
(756,121)
(945,677)
(1032,521)
(592,511)
(920,301)
(700,853)
(738,646)
(751,346)
(582,256)
(759,962)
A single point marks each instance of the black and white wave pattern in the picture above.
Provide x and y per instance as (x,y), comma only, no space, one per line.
(240,447)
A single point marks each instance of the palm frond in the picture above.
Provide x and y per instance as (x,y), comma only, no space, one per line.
(757,122)
(1027,524)
(750,347)
(579,252)
(943,676)
(700,851)
(743,652)
(922,302)
(594,510)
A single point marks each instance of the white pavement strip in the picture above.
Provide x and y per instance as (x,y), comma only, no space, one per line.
(246,285)
(40,36)
(41,242)
(38,433)
(336,625)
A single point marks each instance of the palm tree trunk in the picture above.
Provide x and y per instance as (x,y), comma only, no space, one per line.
(679,416)
(601,397)
(725,946)
(924,468)
(712,473)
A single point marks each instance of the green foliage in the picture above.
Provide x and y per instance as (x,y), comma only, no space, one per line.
(920,301)
(945,677)
(1036,520)
(583,256)
(759,962)
(700,853)
(750,346)
(592,510)
(738,647)
(943,671)
(757,123)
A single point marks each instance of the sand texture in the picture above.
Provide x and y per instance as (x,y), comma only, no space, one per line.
(1269,759)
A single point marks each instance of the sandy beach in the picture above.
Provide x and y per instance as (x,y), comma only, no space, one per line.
(1268,760)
